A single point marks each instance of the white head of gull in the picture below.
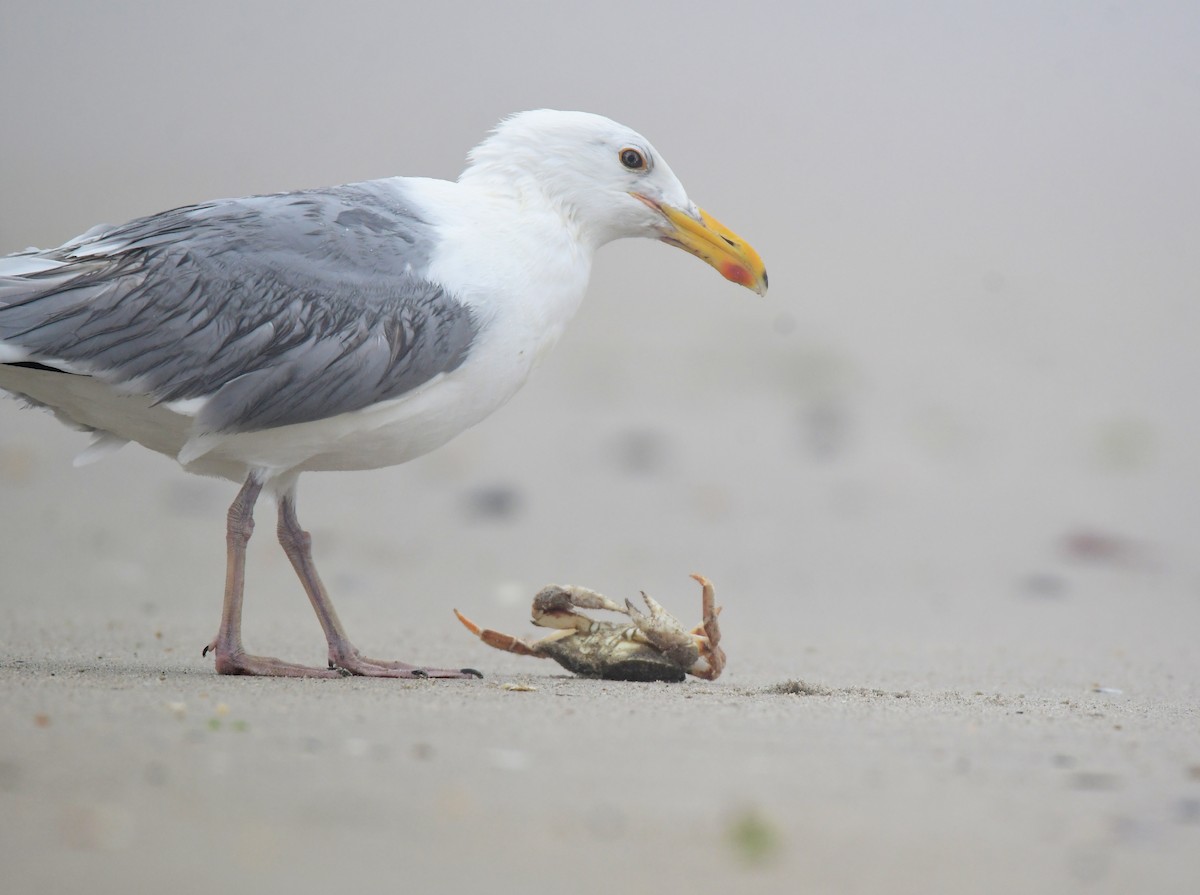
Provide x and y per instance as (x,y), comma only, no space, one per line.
(350,327)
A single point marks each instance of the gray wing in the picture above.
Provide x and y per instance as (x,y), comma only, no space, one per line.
(278,309)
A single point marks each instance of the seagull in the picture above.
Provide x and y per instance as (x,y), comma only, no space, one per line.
(350,327)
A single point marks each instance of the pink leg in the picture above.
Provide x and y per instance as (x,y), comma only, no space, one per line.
(343,656)
(344,659)
(230,656)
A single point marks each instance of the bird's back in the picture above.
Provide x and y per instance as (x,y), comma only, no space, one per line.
(249,313)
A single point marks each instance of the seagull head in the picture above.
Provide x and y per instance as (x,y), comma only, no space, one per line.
(608,182)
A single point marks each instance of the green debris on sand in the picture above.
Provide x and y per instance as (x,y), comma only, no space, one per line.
(238,725)
(752,837)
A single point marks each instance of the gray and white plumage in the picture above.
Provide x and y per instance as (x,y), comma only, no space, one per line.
(344,328)
(275,310)
(341,328)
(262,312)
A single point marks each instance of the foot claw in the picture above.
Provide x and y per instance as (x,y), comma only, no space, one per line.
(472,672)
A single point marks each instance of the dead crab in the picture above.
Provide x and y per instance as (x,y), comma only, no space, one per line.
(655,647)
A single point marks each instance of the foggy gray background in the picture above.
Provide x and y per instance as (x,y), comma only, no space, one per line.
(980,221)
(956,445)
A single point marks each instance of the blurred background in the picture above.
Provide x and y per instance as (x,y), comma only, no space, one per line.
(954,451)
(968,398)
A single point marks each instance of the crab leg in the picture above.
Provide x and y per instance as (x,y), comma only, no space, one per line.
(507,642)
(664,632)
(708,635)
(710,611)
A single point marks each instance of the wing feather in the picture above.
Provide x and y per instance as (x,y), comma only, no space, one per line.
(273,309)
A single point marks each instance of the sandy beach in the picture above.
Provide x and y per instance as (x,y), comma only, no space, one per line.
(944,478)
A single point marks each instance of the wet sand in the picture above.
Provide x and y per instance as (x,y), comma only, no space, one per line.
(1040,735)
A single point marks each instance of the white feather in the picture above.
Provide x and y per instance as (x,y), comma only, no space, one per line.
(102,445)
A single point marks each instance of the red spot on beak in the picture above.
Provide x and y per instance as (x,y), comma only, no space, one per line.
(736,273)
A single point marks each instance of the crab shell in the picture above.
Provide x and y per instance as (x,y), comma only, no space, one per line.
(609,653)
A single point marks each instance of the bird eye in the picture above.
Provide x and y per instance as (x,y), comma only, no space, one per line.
(632,159)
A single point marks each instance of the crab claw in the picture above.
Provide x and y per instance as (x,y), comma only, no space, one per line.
(555,607)
(500,641)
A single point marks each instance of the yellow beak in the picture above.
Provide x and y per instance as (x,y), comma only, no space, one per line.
(715,244)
